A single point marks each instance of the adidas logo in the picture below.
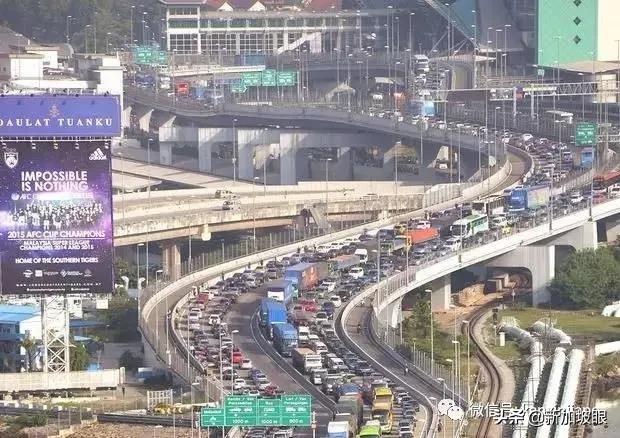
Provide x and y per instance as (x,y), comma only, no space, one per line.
(97,155)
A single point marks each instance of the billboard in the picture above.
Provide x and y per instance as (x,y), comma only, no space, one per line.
(60,116)
(56,218)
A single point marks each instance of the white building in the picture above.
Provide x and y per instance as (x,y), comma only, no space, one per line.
(36,69)
(18,322)
(271,26)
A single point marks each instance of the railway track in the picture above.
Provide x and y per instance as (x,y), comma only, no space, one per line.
(485,429)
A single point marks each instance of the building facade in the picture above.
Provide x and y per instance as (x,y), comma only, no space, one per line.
(271,26)
(577,30)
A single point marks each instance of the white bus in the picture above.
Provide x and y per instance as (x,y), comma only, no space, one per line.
(491,206)
(470,226)
(421,64)
(564,116)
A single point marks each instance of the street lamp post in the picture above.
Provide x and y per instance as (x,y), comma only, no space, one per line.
(396,152)
(430,292)
(234,150)
(327,160)
(254,210)
(443,396)
(466,322)
(67,30)
(232,367)
(264,165)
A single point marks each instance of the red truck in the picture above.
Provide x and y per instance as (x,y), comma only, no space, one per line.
(415,237)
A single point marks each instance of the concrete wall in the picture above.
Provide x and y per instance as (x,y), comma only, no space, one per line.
(53,381)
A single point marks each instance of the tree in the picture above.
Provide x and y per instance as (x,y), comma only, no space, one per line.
(78,357)
(46,21)
(122,318)
(588,279)
(30,345)
(130,361)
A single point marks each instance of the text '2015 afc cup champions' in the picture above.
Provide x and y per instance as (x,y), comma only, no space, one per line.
(56,231)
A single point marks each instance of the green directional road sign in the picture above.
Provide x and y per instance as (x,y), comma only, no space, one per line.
(252,79)
(149,55)
(296,410)
(239,410)
(269,412)
(585,134)
(238,88)
(212,417)
(268,78)
(287,78)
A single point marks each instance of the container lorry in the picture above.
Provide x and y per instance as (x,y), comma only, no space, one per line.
(353,406)
(529,198)
(305,276)
(343,262)
(416,237)
(271,314)
(338,429)
(281,290)
(306,360)
(284,339)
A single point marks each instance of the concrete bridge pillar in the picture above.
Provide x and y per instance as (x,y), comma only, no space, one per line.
(171,259)
(144,119)
(612,229)
(165,152)
(392,314)
(539,260)
(441,293)
(126,117)
(167,121)
(583,237)
(247,140)
(288,151)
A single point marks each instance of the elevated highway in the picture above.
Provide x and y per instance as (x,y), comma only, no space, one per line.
(134,228)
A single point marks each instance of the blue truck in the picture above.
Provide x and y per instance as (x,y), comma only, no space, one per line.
(304,276)
(281,290)
(284,339)
(271,314)
(529,198)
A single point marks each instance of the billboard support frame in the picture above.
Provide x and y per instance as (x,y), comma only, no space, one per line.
(56,343)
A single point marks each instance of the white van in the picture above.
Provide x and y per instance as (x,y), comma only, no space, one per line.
(334,363)
(319,347)
(362,253)
(214,319)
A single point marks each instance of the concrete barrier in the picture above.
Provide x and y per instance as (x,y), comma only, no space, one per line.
(10,382)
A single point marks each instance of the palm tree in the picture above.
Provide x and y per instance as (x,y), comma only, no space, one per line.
(30,345)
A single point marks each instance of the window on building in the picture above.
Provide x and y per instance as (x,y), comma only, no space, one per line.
(238,23)
(183,11)
(295,22)
(256,22)
(314,22)
(220,43)
(219,23)
(275,22)
(184,44)
(182,24)
(254,42)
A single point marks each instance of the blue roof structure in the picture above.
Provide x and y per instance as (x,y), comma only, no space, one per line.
(12,314)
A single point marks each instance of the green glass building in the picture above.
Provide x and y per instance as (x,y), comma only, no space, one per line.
(577,30)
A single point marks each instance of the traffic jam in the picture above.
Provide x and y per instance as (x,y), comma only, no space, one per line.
(298,296)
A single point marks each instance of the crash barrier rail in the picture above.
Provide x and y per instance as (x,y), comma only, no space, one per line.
(175,290)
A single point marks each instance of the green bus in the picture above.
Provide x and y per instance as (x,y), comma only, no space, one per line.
(370,432)
(470,226)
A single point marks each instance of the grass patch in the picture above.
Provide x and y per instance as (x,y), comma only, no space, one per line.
(581,323)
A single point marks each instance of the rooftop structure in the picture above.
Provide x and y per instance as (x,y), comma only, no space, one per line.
(270,26)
